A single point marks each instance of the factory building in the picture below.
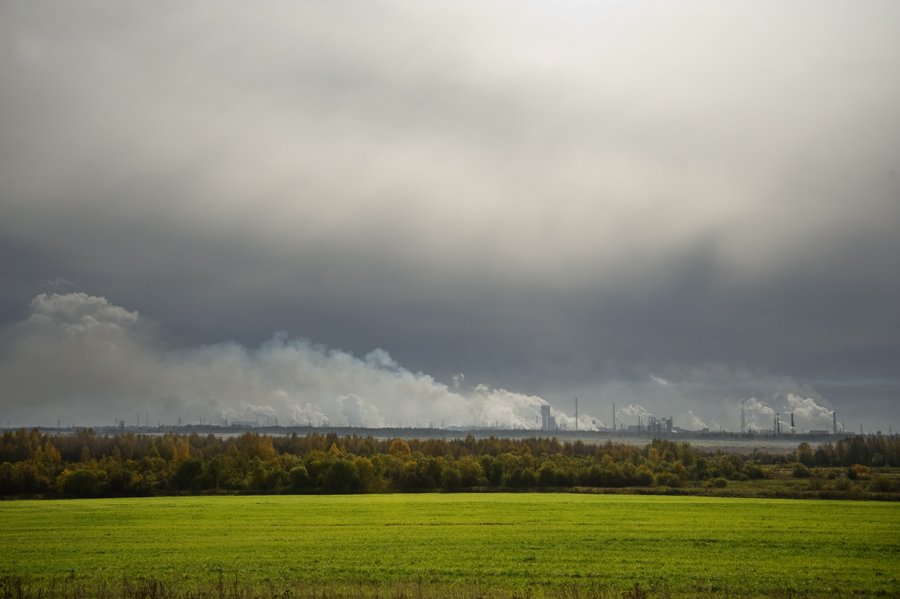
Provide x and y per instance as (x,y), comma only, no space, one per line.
(548,422)
(659,425)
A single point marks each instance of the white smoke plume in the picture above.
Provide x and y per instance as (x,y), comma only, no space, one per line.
(502,408)
(808,414)
(634,410)
(262,415)
(78,314)
(83,360)
(308,415)
(585,422)
(691,421)
(356,412)
(758,415)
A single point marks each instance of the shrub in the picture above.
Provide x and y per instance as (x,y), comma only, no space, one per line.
(753,471)
(718,483)
(842,484)
(668,479)
(801,471)
(857,471)
(882,484)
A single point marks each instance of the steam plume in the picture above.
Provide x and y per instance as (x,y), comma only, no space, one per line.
(634,410)
(808,412)
(87,359)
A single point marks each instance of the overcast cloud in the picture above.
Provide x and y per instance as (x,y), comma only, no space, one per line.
(673,206)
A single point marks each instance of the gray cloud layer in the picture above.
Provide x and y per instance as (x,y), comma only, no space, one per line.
(559,198)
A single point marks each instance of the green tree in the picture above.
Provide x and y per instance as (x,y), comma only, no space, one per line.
(299,477)
(342,477)
(805,454)
(400,448)
(82,482)
(187,475)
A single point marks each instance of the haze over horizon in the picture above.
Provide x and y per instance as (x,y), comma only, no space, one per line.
(450,213)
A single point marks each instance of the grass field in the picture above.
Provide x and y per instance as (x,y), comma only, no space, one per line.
(434,544)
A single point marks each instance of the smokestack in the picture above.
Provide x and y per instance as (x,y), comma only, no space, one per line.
(614,416)
(834,422)
(576,413)
(743,416)
(792,422)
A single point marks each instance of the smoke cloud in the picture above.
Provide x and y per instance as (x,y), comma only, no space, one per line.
(308,415)
(87,360)
(809,414)
(264,415)
(634,410)
(585,422)
(691,421)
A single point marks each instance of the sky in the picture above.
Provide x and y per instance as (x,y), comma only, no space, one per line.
(390,212)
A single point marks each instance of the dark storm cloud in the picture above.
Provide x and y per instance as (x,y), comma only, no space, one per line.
(552,197)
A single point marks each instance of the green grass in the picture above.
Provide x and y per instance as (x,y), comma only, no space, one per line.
(516,543)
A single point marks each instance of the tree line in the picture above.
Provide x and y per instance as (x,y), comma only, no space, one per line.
(87,464)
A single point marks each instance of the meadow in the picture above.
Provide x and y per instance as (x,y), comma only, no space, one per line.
(502,545)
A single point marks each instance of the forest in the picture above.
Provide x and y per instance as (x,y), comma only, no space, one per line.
(86,464)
